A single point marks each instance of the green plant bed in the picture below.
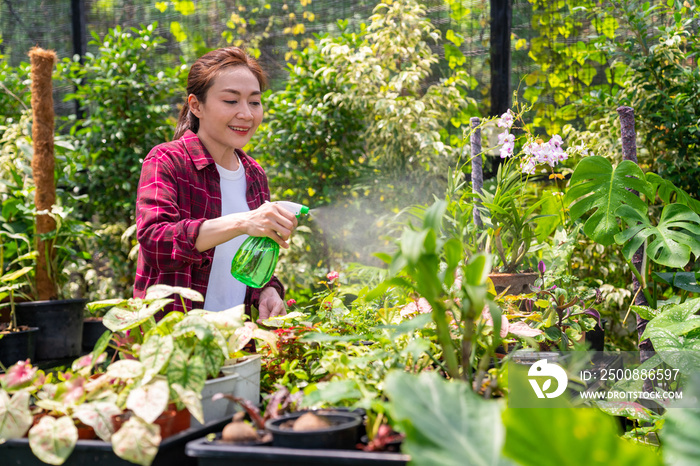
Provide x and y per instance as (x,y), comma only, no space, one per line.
(96,452)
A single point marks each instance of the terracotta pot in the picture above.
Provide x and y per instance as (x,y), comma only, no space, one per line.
(513,283)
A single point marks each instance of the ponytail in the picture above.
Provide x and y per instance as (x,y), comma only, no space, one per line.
(186,121)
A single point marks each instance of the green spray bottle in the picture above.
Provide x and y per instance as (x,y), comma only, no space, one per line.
(256,259)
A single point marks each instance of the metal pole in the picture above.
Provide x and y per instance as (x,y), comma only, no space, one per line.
(77,8)
(477,169)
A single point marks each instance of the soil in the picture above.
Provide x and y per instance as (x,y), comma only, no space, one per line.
(19,328)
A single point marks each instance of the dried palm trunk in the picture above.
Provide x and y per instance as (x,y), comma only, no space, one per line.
(42,62)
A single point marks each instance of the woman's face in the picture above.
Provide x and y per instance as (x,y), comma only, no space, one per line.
(232,111)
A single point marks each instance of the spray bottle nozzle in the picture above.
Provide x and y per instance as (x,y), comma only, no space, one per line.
(297,209)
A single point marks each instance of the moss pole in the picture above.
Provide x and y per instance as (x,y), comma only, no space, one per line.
(42,62)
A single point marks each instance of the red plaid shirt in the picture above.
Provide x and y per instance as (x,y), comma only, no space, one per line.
(178,190)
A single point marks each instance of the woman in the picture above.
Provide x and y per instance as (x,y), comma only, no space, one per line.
(200,194)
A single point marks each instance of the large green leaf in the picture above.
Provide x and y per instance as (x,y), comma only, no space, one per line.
(53,440)
(671,241)
(680,433)
(668,192)
(596,185)
(669,333)
(445,422)
(684,280)
(556,436)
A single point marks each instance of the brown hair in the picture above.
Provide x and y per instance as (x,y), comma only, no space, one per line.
(201,78)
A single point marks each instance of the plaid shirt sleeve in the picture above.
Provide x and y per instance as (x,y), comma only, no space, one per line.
(167,240)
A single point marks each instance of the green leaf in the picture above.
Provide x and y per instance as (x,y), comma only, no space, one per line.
(679,435)
(445,422)
(674,238)
(553,436)
(668,331)
(596,185)
(333,392)
(191,400)
(684,280)
(626,409)
(53,440)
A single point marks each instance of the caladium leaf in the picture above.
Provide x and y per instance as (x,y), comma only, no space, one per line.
(267,337)
(98,415)
(53,440)
(155,354)
(191,400)
(150,400)
(241,337)
(426,403)
(126,369)
(671,241)
(163,291)
(190,373)
(119,319)
(596,185)
(212,356)
(137,441)
(226,321)
(15,415)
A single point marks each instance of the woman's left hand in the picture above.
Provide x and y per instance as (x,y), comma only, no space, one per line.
(270,304)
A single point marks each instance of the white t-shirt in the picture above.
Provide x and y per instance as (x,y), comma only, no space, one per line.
(224,291)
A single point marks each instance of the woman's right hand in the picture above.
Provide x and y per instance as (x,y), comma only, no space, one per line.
(273,221)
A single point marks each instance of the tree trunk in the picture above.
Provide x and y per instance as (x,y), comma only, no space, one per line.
(42,62)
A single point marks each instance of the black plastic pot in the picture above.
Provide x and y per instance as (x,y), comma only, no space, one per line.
(341,434)
(171,452)
(60,325)
(216,454)
(93,328)
(596,337)
(18,346)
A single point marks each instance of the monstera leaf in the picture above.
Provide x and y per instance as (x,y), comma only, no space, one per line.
(597,185)
(671,241)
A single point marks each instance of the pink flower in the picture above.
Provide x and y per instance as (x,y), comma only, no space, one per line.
(291,302)
(332,276)
(506,120)
(19,374)
(420,306)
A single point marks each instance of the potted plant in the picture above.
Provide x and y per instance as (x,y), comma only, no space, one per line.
(513,222)
(16,342)
(157,369)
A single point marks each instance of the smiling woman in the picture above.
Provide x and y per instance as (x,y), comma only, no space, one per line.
(200,195)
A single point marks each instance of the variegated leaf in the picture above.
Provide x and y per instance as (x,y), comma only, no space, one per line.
(192,401)
(53,440)
(137,441)
(15,416)
(126,369)
(150,400)
(155,353)
(98,415)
